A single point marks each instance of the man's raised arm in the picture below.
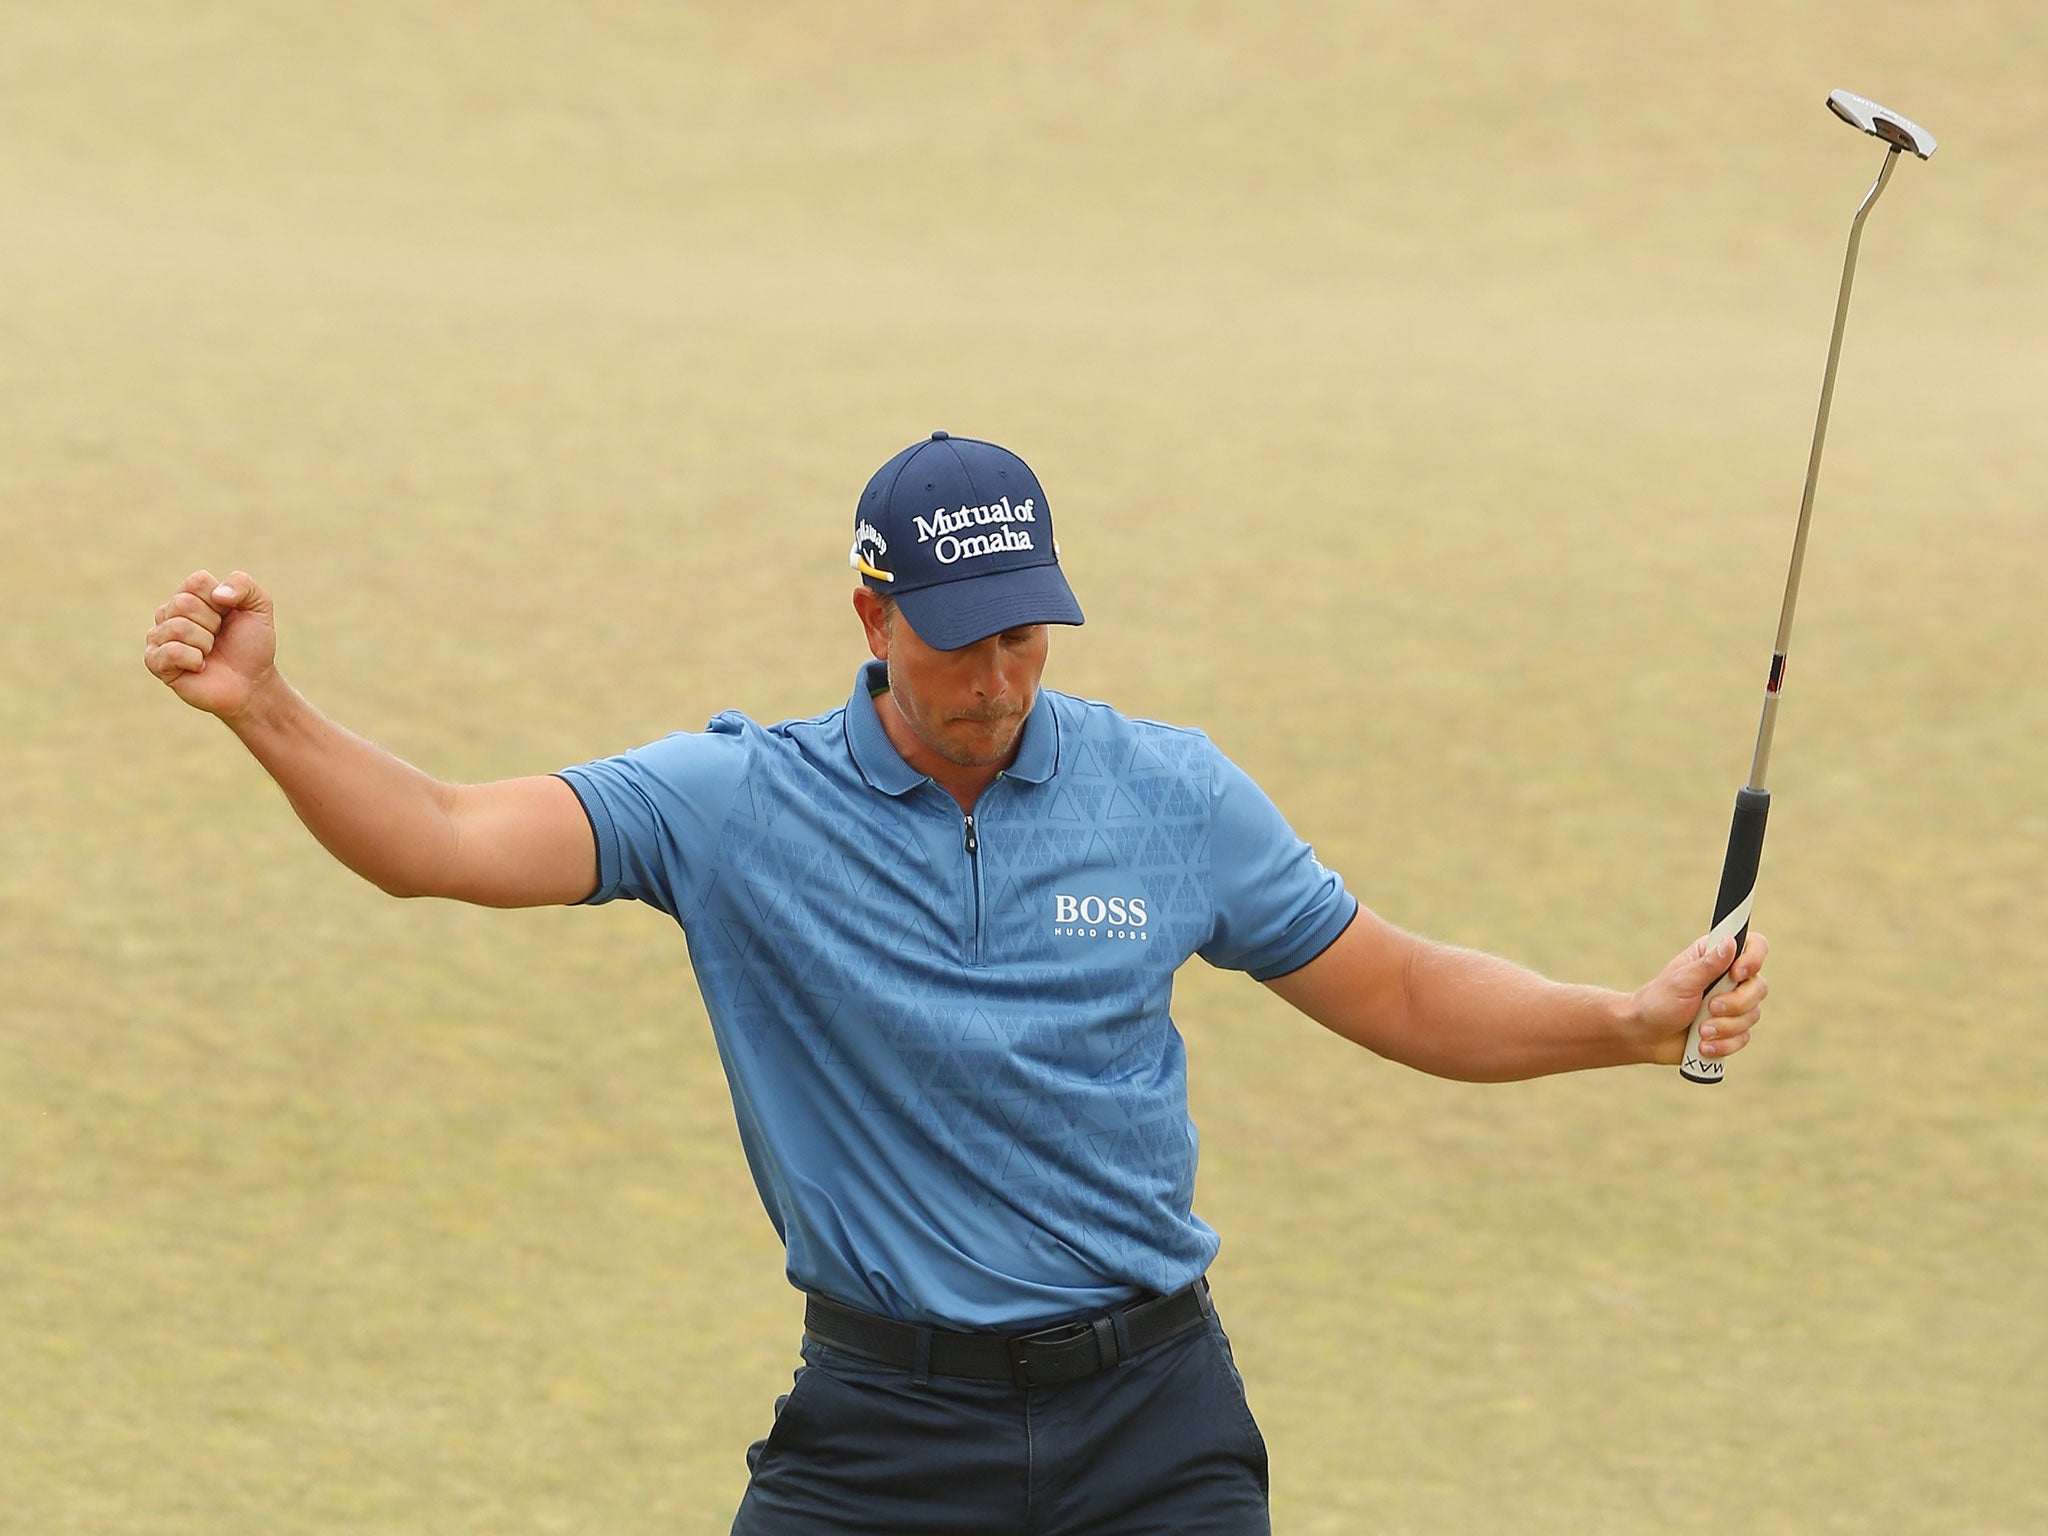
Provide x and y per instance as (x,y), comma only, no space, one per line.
(514,843)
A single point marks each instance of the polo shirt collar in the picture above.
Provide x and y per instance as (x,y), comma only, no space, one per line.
(874,754)
(883,766)
(1038,748)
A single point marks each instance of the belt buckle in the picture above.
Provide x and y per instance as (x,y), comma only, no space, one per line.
(1020,1359)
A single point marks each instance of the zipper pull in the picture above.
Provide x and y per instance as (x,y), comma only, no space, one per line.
(972,845)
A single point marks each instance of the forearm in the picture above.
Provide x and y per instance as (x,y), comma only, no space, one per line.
(1457,1013)
(1483,1019)
(383,818)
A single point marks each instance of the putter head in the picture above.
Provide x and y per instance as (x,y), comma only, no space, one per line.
(1882,122)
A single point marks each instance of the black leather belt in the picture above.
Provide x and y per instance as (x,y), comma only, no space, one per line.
(1064,1352)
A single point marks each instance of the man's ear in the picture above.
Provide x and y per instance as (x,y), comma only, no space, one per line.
(874,618)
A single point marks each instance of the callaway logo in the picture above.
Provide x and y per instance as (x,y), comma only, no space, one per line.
(1099,917)
(945,527)
(868,545)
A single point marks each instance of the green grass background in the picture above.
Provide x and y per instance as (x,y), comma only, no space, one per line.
(1423,390)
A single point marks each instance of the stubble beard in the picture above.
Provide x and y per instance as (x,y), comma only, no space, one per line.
(964,749)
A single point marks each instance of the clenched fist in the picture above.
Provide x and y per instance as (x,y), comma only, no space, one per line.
(215,644)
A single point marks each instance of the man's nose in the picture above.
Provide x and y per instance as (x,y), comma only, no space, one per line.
(986,672)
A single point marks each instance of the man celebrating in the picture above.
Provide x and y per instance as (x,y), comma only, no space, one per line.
(936,931)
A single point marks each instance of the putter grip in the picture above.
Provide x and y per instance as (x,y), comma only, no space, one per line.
(1731,915)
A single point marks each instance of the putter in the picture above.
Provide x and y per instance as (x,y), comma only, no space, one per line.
(1753,801)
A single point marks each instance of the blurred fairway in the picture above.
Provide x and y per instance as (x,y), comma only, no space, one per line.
(1424,392)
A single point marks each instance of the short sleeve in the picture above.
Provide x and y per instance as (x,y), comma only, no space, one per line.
(1276,906)
(657,813)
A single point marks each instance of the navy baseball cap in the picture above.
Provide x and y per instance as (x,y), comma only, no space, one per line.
(958,533)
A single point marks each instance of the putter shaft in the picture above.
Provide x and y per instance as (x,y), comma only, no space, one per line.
(1776,681)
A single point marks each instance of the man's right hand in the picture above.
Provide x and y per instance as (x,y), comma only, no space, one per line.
(214,644)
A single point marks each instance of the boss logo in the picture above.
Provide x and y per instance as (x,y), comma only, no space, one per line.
(1099,917)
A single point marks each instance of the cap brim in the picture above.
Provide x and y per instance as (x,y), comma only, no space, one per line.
(958,613)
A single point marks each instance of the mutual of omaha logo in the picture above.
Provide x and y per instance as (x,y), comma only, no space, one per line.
(944,530)
(1099,917)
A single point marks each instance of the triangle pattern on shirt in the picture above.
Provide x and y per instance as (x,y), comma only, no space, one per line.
(1122,807)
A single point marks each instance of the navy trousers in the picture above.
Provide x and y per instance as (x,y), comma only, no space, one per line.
(1162,1444)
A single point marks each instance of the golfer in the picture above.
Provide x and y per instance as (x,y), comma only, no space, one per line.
(936,931)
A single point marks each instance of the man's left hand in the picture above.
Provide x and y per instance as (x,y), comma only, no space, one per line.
(1665,1008)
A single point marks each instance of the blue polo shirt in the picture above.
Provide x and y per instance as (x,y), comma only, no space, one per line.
(957,1082)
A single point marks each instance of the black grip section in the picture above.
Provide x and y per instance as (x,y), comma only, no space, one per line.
(1745,853)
